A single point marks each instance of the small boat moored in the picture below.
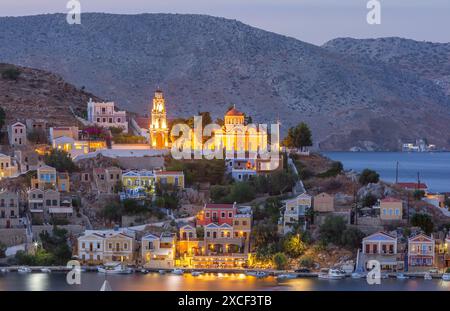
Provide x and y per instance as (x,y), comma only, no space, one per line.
(358,275)
(177,271)
(162,271)
(114,268)
(24,270)
(446,277)
(196,273)
(332,274)
(4,270)
(401,276)
(46,270)
(427,276)
(286,276)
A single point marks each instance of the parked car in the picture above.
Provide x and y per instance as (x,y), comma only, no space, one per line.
(302,270)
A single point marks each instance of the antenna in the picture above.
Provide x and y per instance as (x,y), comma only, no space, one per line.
(396,173)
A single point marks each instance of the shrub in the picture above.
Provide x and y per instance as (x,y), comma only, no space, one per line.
(61,161)
(335,169)
(280,261)
(11,73)
(307,262)
(368,176)
(424,221)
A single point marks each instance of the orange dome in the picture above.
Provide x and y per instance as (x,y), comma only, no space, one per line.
(233,112)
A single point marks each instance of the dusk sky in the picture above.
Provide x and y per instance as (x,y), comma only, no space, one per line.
(314,21)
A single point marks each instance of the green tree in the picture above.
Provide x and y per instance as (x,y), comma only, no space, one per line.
(418,194)
(368,176)
(299,136)
(424,221)
(369,200)
(2,117)
(112,211)
(351,238)
(241,192)
(280,182)
(2,250)
(280,261)
(61,161)
(294,246)
(332,228)
(217,193)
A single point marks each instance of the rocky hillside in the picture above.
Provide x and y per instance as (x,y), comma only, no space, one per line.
(39,94)
(205,63)
(426,59)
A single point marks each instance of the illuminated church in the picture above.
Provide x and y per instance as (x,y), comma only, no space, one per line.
(238,136)
(159,132)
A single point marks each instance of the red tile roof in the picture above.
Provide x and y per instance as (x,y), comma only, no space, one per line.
(391,199)
(412,185)
(215,205)
(169,173)
(233,112)
(143,122)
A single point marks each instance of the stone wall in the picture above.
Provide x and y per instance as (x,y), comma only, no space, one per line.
(72,229)
(13,236)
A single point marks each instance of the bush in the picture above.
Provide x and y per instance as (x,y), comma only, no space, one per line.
(280,261)
(368,176)
(424,221)
(11,74)
(306,262)
(294,245)
(419,194)
(336,169)
(351,238)
(369,200)
(61,161)
(331,230)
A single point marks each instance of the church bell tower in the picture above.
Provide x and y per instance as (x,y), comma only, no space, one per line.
(159,132)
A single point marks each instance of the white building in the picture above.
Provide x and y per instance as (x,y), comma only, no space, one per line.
(90,248)
(8,166)
(294,211)
(158,252)
(17,134)
(105,115)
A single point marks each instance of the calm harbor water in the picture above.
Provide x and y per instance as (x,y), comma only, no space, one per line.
(434,168)
(92,281)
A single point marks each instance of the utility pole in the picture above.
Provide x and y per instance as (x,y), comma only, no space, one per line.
(418,180)
(396,173)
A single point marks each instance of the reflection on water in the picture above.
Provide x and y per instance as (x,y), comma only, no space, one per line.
(213,282)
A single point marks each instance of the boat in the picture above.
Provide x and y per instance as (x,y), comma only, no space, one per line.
(143,271)
(332,274)
(24,270)
(4,270)
(427,276)
(196,273)
(162,271)
(46,270)
(286,276)
(446,277)
(401,276)
(114,268)
(177,271)
(258,274)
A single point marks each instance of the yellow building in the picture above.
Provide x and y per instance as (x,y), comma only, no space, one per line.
(173,178)
(45,179)
(159,132)
(391,209)
(8,167)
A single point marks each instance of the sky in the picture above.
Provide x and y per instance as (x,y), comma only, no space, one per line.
(314,21)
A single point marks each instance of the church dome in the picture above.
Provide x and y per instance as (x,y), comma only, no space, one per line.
(233,112)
